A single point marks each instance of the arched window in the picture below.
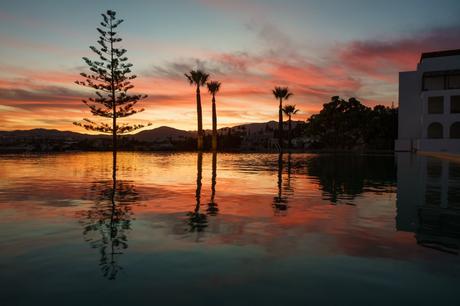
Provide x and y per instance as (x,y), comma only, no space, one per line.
(435,130)
(455,130)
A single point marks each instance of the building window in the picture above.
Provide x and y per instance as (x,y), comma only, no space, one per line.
(454,81)
(440,80)
(435,105)
(455,104)
(435,130)
(455,130)
(433,82)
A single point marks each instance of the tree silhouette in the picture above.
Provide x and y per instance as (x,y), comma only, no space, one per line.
(348,125)
(213,88)
(111,77)
(281,93)
(108,221)
(290,110)
(198,78)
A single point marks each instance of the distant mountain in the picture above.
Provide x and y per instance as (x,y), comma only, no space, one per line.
(256,127)
(156,134)
(161,133)
(45,133)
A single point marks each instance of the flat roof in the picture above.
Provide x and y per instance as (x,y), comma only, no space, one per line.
(443,53)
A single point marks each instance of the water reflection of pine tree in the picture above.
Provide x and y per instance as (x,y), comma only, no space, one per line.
(107,222)
(198,221)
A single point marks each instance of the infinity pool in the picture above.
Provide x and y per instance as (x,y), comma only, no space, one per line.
(229,229)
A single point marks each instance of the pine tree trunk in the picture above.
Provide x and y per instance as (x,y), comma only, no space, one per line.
(280,125)
(200,119)
(214,124)
(114,140)
(114,109)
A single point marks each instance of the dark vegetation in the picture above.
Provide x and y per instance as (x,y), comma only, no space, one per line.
(340,126)
(350,125)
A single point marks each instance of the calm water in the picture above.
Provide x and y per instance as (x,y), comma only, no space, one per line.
(231,229)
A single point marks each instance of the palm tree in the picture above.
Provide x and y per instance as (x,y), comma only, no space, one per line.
(290,110)
(281,93)
(198,78)
(213,88)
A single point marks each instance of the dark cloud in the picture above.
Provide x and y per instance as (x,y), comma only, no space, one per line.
(215,65)
(385,57)
(47,105)
(48,93)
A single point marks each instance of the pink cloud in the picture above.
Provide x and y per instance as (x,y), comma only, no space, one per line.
(247,82)
(383,59)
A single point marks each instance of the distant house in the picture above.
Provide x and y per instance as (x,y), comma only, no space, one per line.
(429,104)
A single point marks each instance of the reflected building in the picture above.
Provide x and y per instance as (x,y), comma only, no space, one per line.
(428,200)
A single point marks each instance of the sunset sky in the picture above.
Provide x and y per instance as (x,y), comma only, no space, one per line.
(319,48)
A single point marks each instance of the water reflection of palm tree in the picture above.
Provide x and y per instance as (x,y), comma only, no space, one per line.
(280,201)
(196,220)
(288,182)
(107,222)
(212,205)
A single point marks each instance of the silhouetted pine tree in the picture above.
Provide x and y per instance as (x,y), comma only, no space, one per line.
(111,77)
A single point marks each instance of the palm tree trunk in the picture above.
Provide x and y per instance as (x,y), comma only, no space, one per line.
(200,119)
(280,124)
(289,133)
(214,124)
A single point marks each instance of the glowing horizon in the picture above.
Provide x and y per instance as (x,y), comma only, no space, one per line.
(250,46)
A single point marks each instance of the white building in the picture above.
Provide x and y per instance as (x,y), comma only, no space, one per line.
(429,104)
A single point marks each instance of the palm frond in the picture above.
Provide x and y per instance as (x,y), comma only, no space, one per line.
(290,110)
(213,87)
(197,77)
(282,92)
